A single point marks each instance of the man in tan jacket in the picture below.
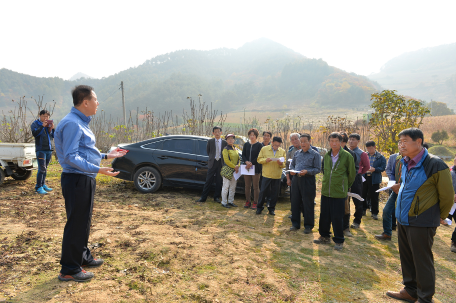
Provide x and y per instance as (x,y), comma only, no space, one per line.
(273,159)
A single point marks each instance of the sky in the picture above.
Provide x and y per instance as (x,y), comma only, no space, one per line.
(101,38)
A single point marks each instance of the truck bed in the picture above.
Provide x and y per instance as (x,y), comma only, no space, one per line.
(14,151)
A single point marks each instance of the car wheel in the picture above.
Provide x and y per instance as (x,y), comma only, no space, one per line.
(21,174)
(147,180)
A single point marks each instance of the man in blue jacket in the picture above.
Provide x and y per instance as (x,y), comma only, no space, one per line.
(424,198)
(43,133)
(373,178)
(80,160)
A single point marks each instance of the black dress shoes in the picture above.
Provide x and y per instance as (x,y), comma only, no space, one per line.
(272,213)
(200,200)
(217,200)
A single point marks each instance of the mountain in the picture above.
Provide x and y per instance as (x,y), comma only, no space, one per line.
(260,74)
(427,74)
(79,76)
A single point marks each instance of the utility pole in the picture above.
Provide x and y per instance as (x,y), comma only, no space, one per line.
(123,103)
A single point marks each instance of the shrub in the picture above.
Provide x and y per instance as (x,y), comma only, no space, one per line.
(440,151)
(439,136)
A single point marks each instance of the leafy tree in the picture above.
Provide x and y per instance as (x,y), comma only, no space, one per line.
(392,114)
(439,136)
(440,109)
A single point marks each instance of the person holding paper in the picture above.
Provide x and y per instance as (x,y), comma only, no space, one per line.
(267,135)
(231,159)
(393,170)
(343,144)
(272,173)
(250,153)
(425,196)
(295,146)
(373,178)
(308,162)
(80,159)
(362,165)
(338,176)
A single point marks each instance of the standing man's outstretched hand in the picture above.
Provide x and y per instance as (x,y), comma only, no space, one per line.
(117,153)
(108,171)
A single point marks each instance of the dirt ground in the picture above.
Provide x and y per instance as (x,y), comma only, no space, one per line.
(164,247)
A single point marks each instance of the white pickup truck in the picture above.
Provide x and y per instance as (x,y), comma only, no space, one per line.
(17,160)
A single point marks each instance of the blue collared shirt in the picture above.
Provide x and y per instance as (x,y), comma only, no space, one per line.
(75,145)
(309,160)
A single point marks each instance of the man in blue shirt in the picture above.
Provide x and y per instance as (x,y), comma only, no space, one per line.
(80,160)
(308,162)
(43,133)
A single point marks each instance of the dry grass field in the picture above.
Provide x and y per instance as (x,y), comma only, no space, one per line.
(164,247)
(433,124)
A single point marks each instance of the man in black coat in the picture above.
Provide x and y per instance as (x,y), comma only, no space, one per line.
(214,151)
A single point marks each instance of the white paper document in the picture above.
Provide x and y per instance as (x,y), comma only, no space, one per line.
(453,209)
(248,172)
(364,179)
(355,196)
(282,159)
(236,175)
(293,171)
(390,184)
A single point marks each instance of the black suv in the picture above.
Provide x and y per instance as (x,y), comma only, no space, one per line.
(179,161)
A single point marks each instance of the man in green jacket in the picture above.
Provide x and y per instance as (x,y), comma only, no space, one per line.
(338,175)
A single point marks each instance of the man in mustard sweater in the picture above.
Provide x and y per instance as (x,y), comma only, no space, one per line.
(273,158)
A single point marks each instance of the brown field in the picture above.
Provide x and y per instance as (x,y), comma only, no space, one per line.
(164,247)
(433,124)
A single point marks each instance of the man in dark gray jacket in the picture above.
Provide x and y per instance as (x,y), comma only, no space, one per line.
(214,151)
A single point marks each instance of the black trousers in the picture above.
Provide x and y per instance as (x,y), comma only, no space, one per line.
(370,194)
(417,261)
(78,191)
(357,188)
(291,192)
(213,174)
(332,212)
(272,186)
(303,196)
(267,192)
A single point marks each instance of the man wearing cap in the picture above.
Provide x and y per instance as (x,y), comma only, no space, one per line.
(272,173)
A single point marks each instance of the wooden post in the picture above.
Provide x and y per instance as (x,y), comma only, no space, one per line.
(123,104)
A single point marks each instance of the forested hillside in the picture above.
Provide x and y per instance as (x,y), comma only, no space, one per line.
(260,74)
(427,74)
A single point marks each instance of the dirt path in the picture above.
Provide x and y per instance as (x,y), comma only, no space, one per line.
(164,247)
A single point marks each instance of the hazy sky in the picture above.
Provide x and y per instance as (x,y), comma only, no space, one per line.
(101,38)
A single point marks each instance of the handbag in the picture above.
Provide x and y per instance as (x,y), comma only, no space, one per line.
(226,171)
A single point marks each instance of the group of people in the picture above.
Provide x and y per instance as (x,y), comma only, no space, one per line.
(266,160)
(420,200)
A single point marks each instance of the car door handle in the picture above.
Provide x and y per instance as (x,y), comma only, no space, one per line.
(202,163)
(162,157)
